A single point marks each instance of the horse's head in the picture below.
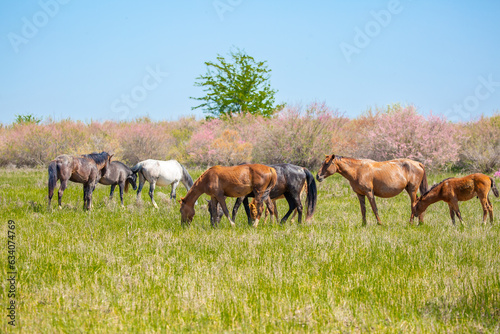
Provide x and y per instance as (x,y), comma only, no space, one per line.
(328,168)
(255,212)
(187,212)
(132,179)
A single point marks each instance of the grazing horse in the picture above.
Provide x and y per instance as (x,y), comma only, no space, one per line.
(371,178)
(86,169)
(119,174)
(161,173)
(292,180)
(455,189)
(236,181)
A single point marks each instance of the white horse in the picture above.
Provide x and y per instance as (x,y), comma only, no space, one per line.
(161,173)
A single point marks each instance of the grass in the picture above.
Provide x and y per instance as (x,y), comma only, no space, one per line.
(137,270)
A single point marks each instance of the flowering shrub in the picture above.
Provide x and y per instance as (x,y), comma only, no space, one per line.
(295,134)
(301,138)
(480,147)
(403,133)
(497,174)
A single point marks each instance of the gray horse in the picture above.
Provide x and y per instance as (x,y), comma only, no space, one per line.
(119,174)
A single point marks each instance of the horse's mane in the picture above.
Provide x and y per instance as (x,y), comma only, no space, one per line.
(434,186)
(121,163)
(198,180)
(99,158)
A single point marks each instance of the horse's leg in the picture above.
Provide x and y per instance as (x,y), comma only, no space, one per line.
(275,211)
(454,205)
(292,205)
(151,193)
(173,192)
(214,212)
(112,192)
(362,204)
(371,199)
(222,201)
(490,209)
(269,209)
(121,185)
(142,180)
(237,206)
(412,191)
(60,192)
(87,196)
(452,213)
(247,210)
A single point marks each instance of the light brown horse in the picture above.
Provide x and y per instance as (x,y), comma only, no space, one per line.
(455,189)
(86,169)
(235,181)
(371,178)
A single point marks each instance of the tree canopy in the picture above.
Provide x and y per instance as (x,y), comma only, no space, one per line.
(235,87)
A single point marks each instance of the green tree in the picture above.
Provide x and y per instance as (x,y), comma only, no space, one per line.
(27,119)
(240,86)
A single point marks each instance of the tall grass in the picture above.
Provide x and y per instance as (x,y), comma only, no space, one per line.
(137,270)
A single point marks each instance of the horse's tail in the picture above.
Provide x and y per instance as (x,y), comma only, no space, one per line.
(494,187)
(312,194)
(52,178)
(137,168)
(424,186)
(188,180)
(126,186)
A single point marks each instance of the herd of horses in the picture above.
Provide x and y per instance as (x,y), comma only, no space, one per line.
(267,183)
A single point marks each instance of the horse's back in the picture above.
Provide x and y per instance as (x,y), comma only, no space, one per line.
(164,172)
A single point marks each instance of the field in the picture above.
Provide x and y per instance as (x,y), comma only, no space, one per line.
(135,269)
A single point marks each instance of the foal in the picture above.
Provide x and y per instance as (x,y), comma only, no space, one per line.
(455,189)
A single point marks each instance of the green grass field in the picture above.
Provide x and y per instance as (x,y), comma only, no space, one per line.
(135,269)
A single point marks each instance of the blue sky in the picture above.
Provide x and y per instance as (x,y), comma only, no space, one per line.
(90,60)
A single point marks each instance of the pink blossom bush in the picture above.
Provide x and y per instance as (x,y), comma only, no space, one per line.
(497,174)
(480,146)
(403,133)
(298,136)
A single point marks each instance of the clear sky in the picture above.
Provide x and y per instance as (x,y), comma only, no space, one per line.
(99,60)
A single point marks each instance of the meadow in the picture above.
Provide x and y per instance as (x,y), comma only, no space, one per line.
(136,269)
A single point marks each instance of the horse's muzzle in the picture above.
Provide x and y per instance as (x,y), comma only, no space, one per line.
(319,178)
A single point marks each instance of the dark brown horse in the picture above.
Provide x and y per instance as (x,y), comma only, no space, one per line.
(371,178)
(86,169)
(119,174)
(219,182)
(455,189)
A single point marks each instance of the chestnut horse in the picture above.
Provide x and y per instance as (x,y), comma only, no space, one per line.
(86,169)
(371,178)
(292,180)
(455,189)
(236,181)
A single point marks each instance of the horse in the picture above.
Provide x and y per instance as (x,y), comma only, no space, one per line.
(119,174)
(236,181)
(371,178)
(161,173)
(86,169)
(292,180)
(455,189)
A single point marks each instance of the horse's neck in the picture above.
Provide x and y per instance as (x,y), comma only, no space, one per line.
(347,167)
(193,195)
(431,197)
